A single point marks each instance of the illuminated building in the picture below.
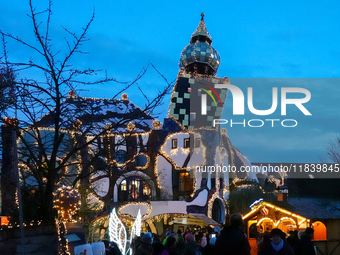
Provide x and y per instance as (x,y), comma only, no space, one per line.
(139,163)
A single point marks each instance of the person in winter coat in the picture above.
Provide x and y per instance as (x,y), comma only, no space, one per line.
(159,249)
(209,249)
(232,241)
(277,246)
(170,245)
(305,246)
(145,248)
(191,247)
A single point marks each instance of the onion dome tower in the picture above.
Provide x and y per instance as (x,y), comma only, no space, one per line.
(199,56)
(196,100)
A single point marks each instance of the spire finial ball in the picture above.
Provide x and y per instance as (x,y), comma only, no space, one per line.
(125,96)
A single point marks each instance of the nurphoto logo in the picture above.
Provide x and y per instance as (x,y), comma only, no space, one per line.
(239,104)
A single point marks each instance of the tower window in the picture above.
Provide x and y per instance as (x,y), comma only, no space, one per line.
(186,142)
(197,142)
(192,116)
(174,143)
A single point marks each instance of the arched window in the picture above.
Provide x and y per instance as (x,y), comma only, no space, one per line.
(320,231)
(134,188)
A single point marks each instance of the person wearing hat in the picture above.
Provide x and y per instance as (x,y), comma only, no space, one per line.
(145,248)
(191,247)
(166,237)
(277,245)
(305,246)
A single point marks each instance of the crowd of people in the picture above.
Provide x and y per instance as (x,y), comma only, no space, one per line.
(230,241)
(296,243)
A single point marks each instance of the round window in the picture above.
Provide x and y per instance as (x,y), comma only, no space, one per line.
(141,160)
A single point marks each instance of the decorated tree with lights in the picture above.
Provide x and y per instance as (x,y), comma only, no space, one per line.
(53,144)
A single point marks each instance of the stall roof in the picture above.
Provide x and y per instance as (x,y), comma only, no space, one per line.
(258,207)
(316,208)
(206,219)
(195,219)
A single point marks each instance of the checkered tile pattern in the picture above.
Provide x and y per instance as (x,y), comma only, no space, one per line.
(185,104)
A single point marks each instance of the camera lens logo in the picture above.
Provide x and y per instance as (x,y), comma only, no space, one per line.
(204,98)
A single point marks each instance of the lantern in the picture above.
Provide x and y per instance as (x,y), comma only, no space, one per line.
(131,126)
(156,124)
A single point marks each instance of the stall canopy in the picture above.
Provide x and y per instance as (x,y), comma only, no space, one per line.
(195,219)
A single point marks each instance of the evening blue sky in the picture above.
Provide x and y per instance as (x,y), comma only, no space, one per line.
(255,39)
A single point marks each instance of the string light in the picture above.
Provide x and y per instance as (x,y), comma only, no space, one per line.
(260,221)
(257,205)
(67,201)
(137,204)
(63,248)
(211,201)
(284,218)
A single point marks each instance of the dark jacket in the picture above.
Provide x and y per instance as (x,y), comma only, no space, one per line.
(232,241)
(266,248)
(305,246)
(293,241)
(144,249)
(191,248)
(209,250)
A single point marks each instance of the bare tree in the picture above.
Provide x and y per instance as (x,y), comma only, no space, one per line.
(333,150)
(54,143)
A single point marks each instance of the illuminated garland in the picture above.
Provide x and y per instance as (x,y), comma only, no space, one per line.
(225,190)
(63,248)
(211,201)
(99,204)
(67,201)
(135,204)
(165,216)
(266,218)
(285,218)
(113,161)
(194,184)
(173,152)
(257,208)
